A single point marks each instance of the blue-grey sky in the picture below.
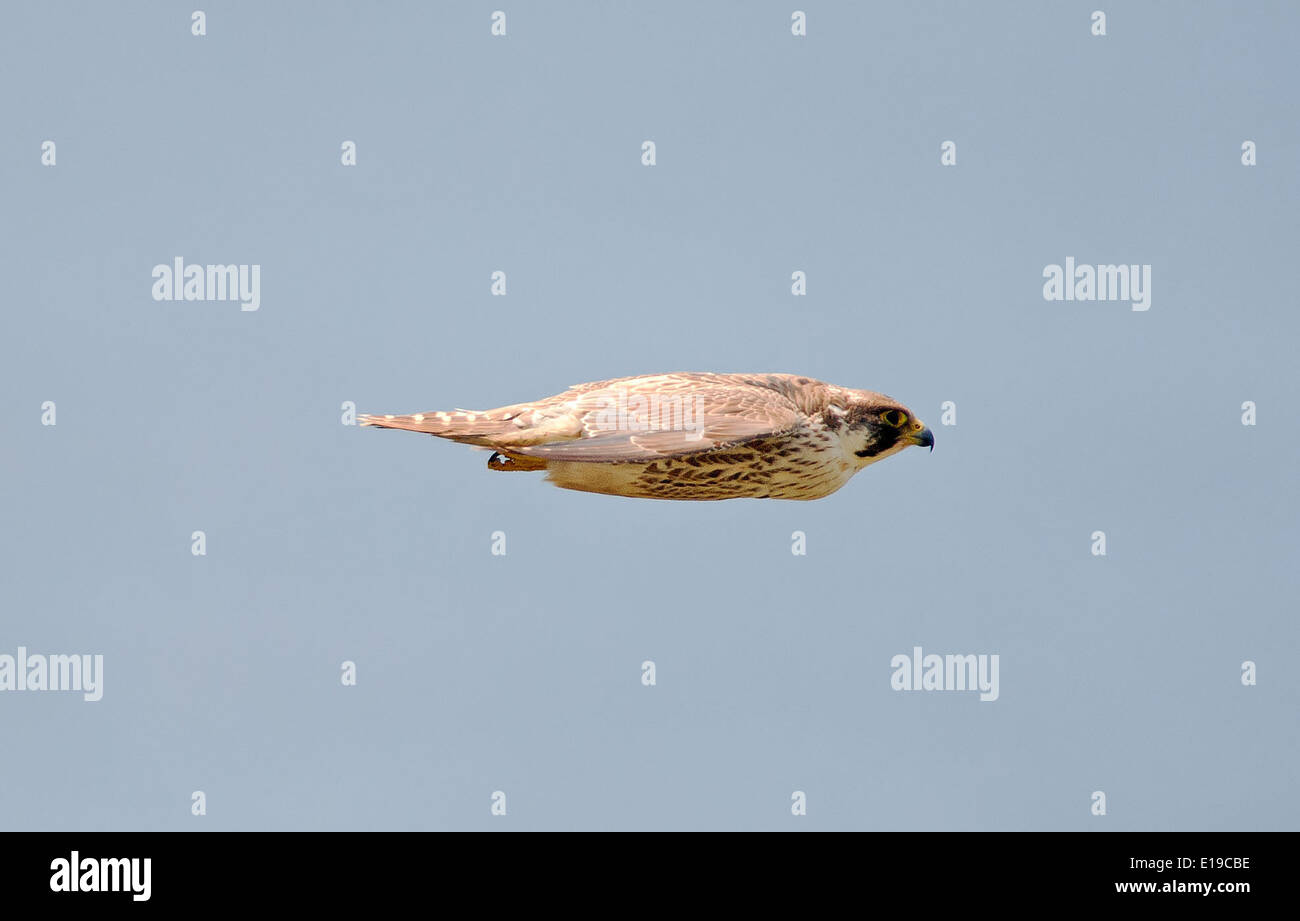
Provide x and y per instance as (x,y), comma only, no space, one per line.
(522,673)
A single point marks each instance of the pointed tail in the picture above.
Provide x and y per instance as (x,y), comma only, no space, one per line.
(474,428)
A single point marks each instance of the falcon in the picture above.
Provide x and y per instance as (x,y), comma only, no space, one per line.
(687,435)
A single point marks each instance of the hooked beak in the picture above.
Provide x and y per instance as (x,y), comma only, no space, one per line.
(922,436)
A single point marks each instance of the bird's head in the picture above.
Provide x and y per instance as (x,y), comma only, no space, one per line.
(877,426)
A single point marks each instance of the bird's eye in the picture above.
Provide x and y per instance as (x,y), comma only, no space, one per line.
(894,417)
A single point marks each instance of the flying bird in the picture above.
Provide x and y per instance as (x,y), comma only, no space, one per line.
(687,435)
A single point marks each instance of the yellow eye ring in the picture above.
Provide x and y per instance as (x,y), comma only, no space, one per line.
(894,417)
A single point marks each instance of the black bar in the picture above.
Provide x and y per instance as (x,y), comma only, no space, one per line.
(333,870)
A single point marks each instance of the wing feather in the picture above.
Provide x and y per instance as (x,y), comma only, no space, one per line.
(669,416)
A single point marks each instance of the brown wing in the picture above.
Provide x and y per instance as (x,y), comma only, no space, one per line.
(669,415)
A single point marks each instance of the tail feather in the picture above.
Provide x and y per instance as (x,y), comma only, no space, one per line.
(461,425)
(505,428)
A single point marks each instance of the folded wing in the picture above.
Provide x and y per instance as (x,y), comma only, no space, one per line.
(668,417)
